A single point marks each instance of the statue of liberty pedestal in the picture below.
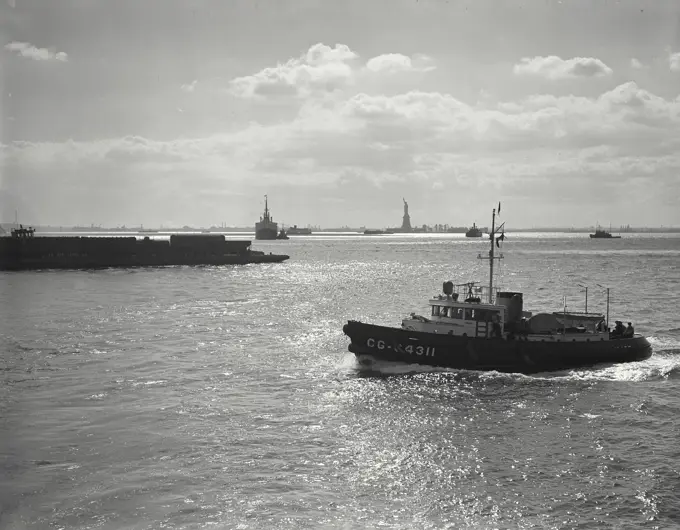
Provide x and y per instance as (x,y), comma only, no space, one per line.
(406,223)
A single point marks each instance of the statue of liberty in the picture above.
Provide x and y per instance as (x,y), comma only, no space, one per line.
(406,223)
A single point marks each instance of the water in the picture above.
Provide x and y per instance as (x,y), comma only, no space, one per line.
(224,397)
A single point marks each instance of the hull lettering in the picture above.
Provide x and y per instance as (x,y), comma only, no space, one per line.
(410,349)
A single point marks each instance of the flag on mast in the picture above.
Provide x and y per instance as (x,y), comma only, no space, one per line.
(499,207)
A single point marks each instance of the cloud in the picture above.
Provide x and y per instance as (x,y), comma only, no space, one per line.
(24,49)
(553,67)
(322,69)
(190,87)
(674,62)
(636,64)
(399,134)
(396,62)
(626,142)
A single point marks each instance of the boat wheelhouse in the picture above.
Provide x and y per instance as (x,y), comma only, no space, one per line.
(462,311)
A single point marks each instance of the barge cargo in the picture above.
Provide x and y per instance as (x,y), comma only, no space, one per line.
(22,251)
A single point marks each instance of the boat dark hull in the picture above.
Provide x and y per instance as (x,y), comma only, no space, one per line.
(36,253)
(511,356)
(129,262)
(267,234)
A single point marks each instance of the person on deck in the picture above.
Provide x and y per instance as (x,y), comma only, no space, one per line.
(629,331)
(618,329)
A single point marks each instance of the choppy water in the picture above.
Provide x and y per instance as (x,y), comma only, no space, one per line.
(225,396)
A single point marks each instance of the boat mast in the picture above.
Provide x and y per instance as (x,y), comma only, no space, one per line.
(491,255)
(266,209)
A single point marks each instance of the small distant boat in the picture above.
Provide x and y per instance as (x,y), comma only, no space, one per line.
(282,235)
(603,234)
(296,231)
(474,231)
(374,232)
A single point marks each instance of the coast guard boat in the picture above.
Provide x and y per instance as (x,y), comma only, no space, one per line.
(477,327)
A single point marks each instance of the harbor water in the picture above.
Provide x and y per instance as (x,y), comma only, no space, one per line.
(225,397)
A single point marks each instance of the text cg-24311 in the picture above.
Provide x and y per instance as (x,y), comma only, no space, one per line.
(419,350)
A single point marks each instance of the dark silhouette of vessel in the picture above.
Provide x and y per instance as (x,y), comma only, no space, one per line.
(22,251)
(602,234)
(474,330)
(297,231)
(474,231)
(266,228)
(376,232)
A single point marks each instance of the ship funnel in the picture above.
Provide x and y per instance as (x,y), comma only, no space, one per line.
(513,303)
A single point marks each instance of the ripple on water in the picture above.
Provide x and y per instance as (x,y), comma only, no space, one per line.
(187,397)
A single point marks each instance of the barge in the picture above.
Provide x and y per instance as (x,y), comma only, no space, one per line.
(22,250)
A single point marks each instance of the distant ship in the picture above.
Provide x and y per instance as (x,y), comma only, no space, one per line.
(374,232)
(474,231)
(603,234)
(266,228)
(282,235)
(295,231)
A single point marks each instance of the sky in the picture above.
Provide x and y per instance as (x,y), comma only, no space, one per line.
(169,112)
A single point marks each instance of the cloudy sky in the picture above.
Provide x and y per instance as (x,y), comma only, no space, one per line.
(188,112)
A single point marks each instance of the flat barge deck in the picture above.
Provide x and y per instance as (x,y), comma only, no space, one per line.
(24,251)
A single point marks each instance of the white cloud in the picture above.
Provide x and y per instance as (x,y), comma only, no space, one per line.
(553,67)
(396,62)
(321,68)
(636,64)
(674,62)
(189,87)
(361,138)
(24,49)
(410,135)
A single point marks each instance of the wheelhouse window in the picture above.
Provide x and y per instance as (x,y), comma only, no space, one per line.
(476,314)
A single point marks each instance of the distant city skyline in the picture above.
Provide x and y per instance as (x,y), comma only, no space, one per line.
(187,112)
